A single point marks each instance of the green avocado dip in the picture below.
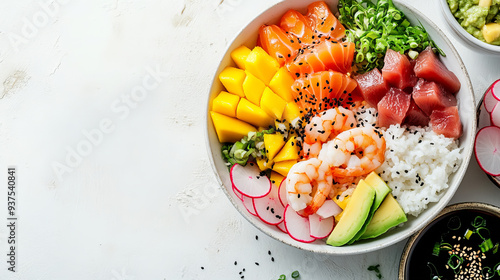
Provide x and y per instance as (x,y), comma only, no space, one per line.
(481,18)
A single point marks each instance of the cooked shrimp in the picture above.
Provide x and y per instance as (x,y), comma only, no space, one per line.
(325,126)
(308,184)
(354,152)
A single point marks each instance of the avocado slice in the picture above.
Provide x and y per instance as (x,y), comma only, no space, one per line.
(388,215)
(381,191)
(354,216)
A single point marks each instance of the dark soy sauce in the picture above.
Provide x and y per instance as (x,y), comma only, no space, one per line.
(447,234)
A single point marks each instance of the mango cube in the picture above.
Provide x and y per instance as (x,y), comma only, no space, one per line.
(276,178)
(261,64)
(239,55)
(283,167)
(226,103)
(230,129)
(273,144)
(290,151)
(342,204)
(281,84)
(253,88)
(272,104)
(484,3)
(264,164)
(291,111)
(232,78)
(253,114)
(491,32)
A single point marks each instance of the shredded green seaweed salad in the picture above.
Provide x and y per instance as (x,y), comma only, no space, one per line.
(375,27)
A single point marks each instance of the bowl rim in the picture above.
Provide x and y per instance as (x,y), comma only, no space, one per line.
(464,35)
(440,205)
(486,207)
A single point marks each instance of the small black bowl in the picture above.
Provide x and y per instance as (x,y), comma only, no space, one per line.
(427,253)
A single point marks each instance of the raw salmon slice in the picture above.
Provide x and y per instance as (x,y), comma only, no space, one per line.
(430,96)
(393,107)
(277,43)
(324,23)
(322,90)
(298,25)
(327,55)
(397,70)
(372,86)
(447,122)
(429,67)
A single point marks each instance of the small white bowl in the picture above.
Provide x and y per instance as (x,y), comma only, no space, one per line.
(466,103)
(471,41)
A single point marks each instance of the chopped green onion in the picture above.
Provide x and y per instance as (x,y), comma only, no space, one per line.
(241,151)
(479,222)
(282,277)
(436,249)
(454,223)
(486,245)
(468,234)
(375,268)
(455,262)
(295,274)
(434,271)
(376,27)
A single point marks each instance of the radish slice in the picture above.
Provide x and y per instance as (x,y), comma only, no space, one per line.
(319,227)
(237,193)
(487,150)
(297,226)
(489,100)
(329,209)
(282,193)
(249,181)
(495,116)
(282,227)
(495,90)
(248,203)
(484,117)
(269,208)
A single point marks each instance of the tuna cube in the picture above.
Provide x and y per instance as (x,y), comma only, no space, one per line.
(447,122)
(429,67)
(393,107)
(397,70)
(372,86)
(415,116)
(430,96)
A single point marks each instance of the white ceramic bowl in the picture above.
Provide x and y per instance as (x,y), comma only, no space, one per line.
(466,103)
(471,41)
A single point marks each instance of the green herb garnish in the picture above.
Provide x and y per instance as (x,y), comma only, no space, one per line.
(376,27)
(251,145)
(375,268)
(295,275)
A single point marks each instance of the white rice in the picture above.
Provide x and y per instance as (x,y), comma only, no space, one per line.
(417,165)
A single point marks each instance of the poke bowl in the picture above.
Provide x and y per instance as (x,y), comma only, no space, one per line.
(237,179)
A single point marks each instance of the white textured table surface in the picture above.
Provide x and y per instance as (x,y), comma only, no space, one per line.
(101,113)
